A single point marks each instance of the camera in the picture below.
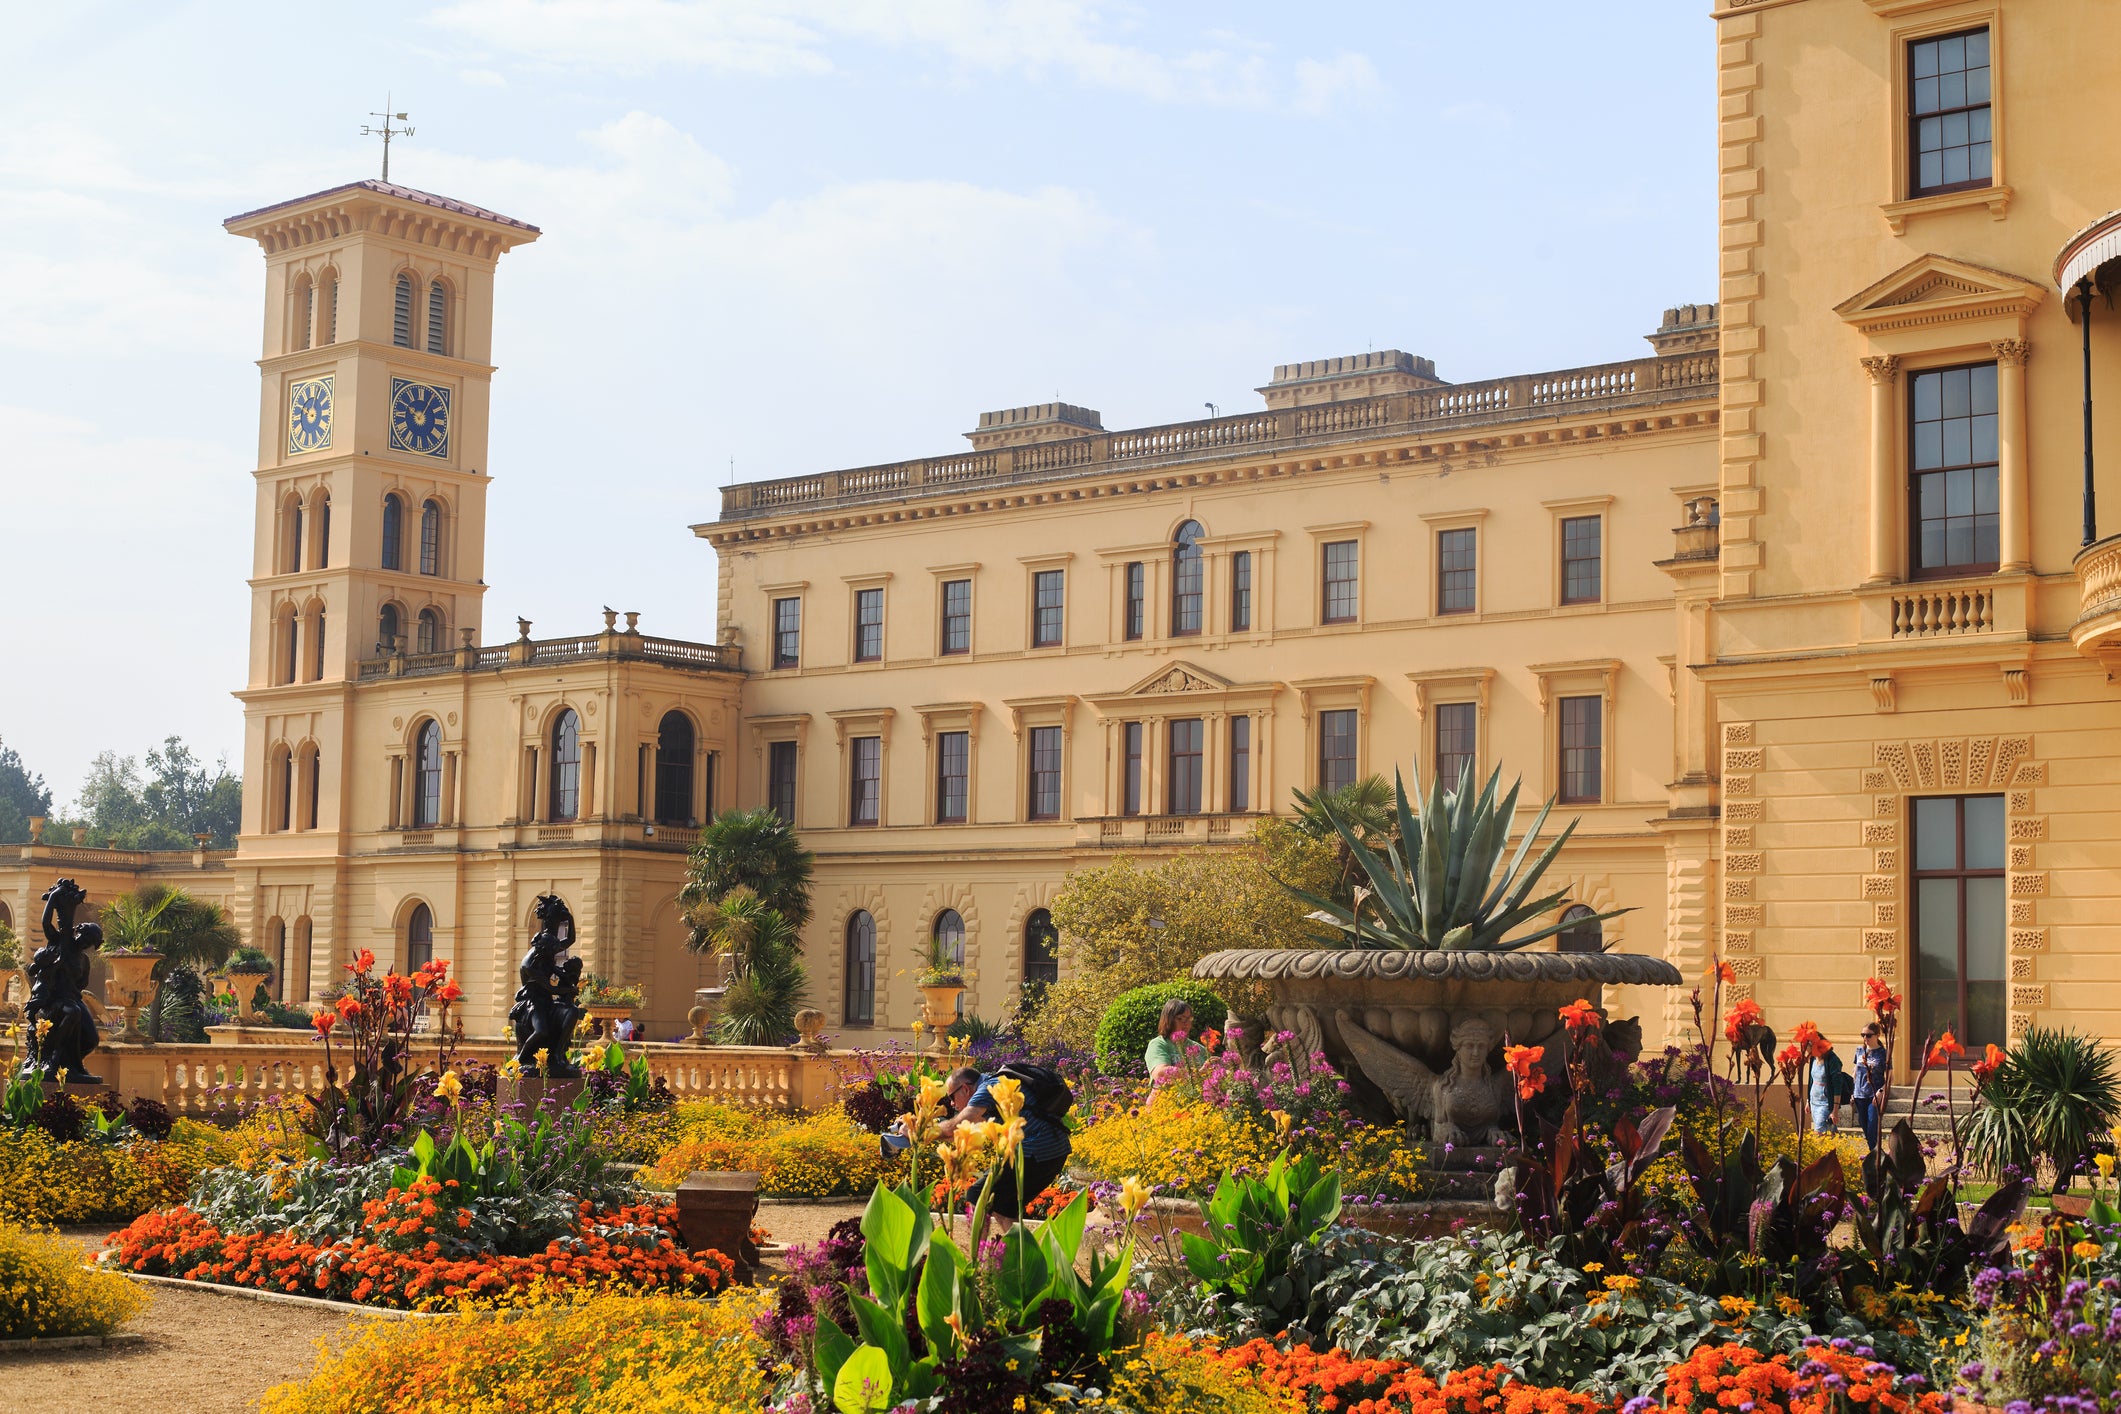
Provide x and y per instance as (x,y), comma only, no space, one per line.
(894,1143)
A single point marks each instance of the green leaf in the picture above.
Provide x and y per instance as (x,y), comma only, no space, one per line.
(863,1384)
(1065,1227)
(832,1346)
(937,1299)
(888,1225)
(1203,1258)
(1320,1206)
(1024,1277)
(883,1328)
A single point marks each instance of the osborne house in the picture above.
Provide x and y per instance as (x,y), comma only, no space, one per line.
(1806,607)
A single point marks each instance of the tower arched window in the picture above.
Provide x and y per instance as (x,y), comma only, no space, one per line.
(302,314)
(437,318)
(566,798)
(328,283)
(1186,575)
(320,515)
(1041,949)
(393,532)
(429,639)
(280,801)
(313,626)
(858,999)
(401,313)
(292,526)
(287,645)
(1580,931)
(673,770)
(431,537)
(419,937)
(388,627)
(312,786)
(427,776)
(276,949)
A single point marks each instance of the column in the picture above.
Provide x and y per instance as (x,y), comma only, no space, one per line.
(1212,755)
(2014,498)
(1883,371)
(397,792)
(586,807)
(1154,748)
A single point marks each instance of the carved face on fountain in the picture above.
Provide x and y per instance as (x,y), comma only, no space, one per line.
(1471,1040)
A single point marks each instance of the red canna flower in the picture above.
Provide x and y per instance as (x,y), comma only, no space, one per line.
(1946,1049)
(1788,1059)
(449,992)
(1580,1015)
(349,1007)
(1990,1062)
(324,1021)
(1523,1062)
(1807,1036)
(1743,1017)
(1880,998)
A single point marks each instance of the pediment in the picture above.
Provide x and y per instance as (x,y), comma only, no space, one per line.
(1179,677)
(1936,289)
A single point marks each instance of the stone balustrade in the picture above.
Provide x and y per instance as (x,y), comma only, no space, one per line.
(2097,631)
(225,1080)
(545,652)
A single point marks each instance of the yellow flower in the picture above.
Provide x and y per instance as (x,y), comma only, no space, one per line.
(932,1090)
(919,1027)
(1012,1137)
(63,1073)
(1622,1285)
(540,1059)
(2084,1251)
(976,1135)
(1133,1195)
(1283,1121)
(1791,1306)
(2105,1163)
(1739,1307)
(511,1068)
(1591,1269)
(449,1087)
(44,1027)
(1008,1097)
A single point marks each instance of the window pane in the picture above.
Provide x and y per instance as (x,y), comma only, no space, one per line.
(1454,742)
(1936,955)
(1137,599)
(866,787)
(1986,968)
(787,632)
(1984,832)
(780,780)
(1045,773)
(1341,591)
(1336,749)
(1240,763)
(957,616)
(1582,748)
(1131,799)
(953,775)
(868,625)
(1186,579)
(1936,834)
(1456,571)
(1185,764)
(1241,591)
(1048,588)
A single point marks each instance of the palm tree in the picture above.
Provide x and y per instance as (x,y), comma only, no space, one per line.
(193,936)
(1366,807)
(766,973)
(750,849)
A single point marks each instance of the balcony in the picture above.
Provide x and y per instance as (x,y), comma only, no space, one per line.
(2097,631)
(546,652)
(1162,831)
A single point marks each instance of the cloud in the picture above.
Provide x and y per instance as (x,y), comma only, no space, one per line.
(483,78)
(774,38)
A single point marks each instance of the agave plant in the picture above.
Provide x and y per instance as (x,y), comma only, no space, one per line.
(2053,1099)
(1435,887)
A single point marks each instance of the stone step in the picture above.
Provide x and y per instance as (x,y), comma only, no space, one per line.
(1473,1185)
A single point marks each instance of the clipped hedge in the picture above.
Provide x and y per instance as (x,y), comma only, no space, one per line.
(1124,1031)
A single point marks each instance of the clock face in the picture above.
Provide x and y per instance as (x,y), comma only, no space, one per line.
(419,418)
(309,415)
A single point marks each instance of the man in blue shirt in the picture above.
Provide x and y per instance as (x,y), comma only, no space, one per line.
(1045,1148)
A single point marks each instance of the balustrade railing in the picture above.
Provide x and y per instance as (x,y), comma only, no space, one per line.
(1942,612)
(544,652)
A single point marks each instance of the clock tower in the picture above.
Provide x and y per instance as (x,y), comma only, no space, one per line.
(371,475)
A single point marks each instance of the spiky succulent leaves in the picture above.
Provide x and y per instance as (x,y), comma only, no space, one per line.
(760,1005)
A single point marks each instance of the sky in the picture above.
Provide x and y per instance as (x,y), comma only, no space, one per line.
(780,236)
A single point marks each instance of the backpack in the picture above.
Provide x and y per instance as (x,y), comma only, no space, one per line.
(1045,1093)
(1840,1085)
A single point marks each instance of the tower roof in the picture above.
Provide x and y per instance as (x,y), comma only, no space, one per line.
(423,198)
(386,206)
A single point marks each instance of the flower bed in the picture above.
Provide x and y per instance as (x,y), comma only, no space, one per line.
(398,1259)
(46,1293)
(823,1155)
(48,1181)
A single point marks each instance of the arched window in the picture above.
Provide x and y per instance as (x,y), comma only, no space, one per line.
(388,627)
(291,528)
(566,766)
(858,1006)
(950,943)
(288,646)
(431,537)
(393,532)
(1041,949)
(276,949)
(437,318)
(305,309)
(313,786)
(673,770)
(1186,579)
(419,937)
(1580,931)
(7,916)
(294,983)
(401,314)
(320,505)
(281,800)
(427,776)
(430,636)
(329,283)
(313,626)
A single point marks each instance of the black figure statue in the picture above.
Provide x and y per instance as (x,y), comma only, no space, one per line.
(545,1013)
(62,1030)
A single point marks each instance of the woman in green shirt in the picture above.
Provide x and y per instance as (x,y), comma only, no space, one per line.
(1163,1054)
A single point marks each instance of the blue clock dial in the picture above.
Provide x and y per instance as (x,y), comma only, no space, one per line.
(309,415)
(419,418)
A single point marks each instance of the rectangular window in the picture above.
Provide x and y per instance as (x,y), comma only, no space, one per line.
(953,776)
(787,632)
(1959,918)
(1456,570)
(1948,113)
(1045,773)
(1952,442)
(1456,723)
(780,779)
(1582,560)
(1137,600)
(1241,592)
(1048,598)
(1341,598)
(1336,749)
(1182,797)
(1582,749)
(1131,785)
(865,786)
(957,616)
(1240,763)
(868,625)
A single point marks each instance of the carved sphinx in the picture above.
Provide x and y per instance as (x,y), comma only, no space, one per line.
(1470,1103)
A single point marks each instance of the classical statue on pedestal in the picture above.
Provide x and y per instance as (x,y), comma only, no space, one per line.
(1467,1104)
(545,1012)
(61,1028)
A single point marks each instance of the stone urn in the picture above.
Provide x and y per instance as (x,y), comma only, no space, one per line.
(601,1016)
(132,985)
(1424,1031)
(706,1006)
(939,1010)
(245,985)
(7,987)
(810,1025)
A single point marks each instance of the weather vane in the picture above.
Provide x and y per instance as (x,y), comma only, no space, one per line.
(387,132)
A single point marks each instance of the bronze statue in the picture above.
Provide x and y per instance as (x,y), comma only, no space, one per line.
(545,1013)
(62,1030)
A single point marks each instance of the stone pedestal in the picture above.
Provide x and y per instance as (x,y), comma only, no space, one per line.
(133,1069)
(79,1091)
(715,1212)
(536,1094)
(235,1033)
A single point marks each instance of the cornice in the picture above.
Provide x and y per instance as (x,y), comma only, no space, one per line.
(337,352)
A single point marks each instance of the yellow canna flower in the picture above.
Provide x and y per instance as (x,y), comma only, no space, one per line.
(1283,1121)
(449,1087)
(539,1058)
(44,1027)
(1008,1096)
(2105,1163)
(512,1068)
(1012,1138)
(932,1091)
(976,1135)
(919,1027)
(1133,1195)
(62,1076)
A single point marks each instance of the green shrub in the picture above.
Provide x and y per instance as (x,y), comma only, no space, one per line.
(2055,1094)
(1123,1032)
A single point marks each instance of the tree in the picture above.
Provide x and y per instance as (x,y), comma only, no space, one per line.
(748,849)
(193,936)
(21,796)
(1125,925)
(168,808)
(1366,807)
